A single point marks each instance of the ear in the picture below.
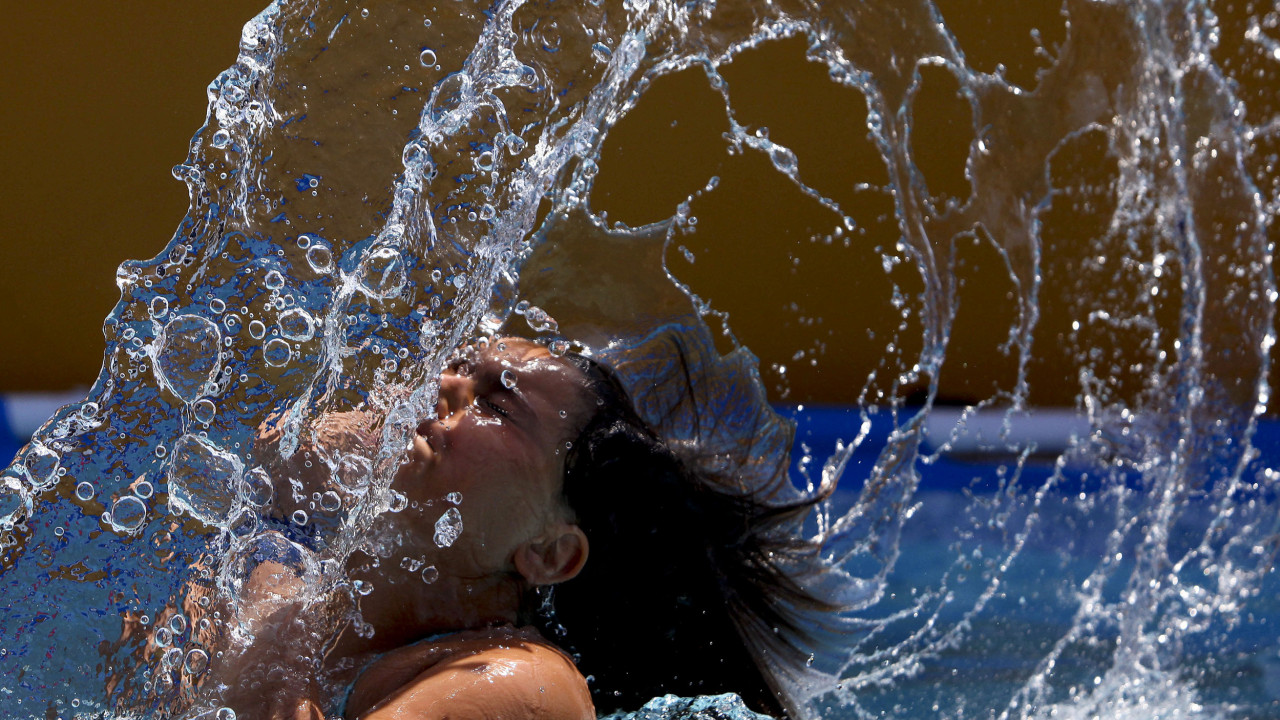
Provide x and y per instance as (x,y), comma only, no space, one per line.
(554,556)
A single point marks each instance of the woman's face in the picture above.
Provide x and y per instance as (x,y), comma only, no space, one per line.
(494,453)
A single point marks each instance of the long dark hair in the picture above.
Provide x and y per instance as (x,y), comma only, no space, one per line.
(683,576)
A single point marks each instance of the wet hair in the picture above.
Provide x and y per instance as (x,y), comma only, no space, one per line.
(684,587)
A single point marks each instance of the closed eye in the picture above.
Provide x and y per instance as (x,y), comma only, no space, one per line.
(491,406)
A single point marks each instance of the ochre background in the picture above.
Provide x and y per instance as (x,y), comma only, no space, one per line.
(101,99)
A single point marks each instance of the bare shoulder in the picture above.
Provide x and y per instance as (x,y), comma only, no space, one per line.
(478,675)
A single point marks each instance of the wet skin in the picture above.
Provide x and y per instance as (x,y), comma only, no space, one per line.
(505,415)
(502,448)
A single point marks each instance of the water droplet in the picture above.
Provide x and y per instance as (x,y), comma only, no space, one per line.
(127,514)
(276,352)
(454,498)
(448,528)
(187,356)
(539,320)
(428,58)
(202,479)
(320,258)
(84,491)
(430,574)
(398,502)
(558,347)
(508,379)
(297,325)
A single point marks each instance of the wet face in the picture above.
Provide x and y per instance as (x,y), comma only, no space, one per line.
(495,453)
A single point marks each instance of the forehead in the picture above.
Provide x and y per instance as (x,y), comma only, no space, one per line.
(537,374)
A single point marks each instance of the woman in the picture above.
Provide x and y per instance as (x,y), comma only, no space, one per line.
(581,532)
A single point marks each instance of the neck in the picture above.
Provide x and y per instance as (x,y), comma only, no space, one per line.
(399,617)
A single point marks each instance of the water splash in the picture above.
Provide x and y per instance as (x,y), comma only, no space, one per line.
(335,254)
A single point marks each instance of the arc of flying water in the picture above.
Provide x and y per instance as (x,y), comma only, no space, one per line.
(491,66)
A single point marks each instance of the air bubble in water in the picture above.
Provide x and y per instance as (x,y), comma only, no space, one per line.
(162,637)
(225,713)
(430,574)
(218,306)
(84,491)
(196,662)
(381,274)
(256,487)
(274,280)
(159,307)
(143,489)
(187,356)
(257,330)
(508,379)
(127,514)
(15,501)
(448,527)
(454,498)
(203,411)
(428,58)
(42,464)
(484,161)
(276,352)
(320,258)
(330,501)
(178,623)
(352,472)
(297,325)
(203,478)
(299,517)
(221,139)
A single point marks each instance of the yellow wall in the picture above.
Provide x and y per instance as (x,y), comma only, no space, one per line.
(100,100)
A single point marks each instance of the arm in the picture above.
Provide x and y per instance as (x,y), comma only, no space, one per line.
(480,678)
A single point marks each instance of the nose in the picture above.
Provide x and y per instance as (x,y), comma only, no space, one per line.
(457,392)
